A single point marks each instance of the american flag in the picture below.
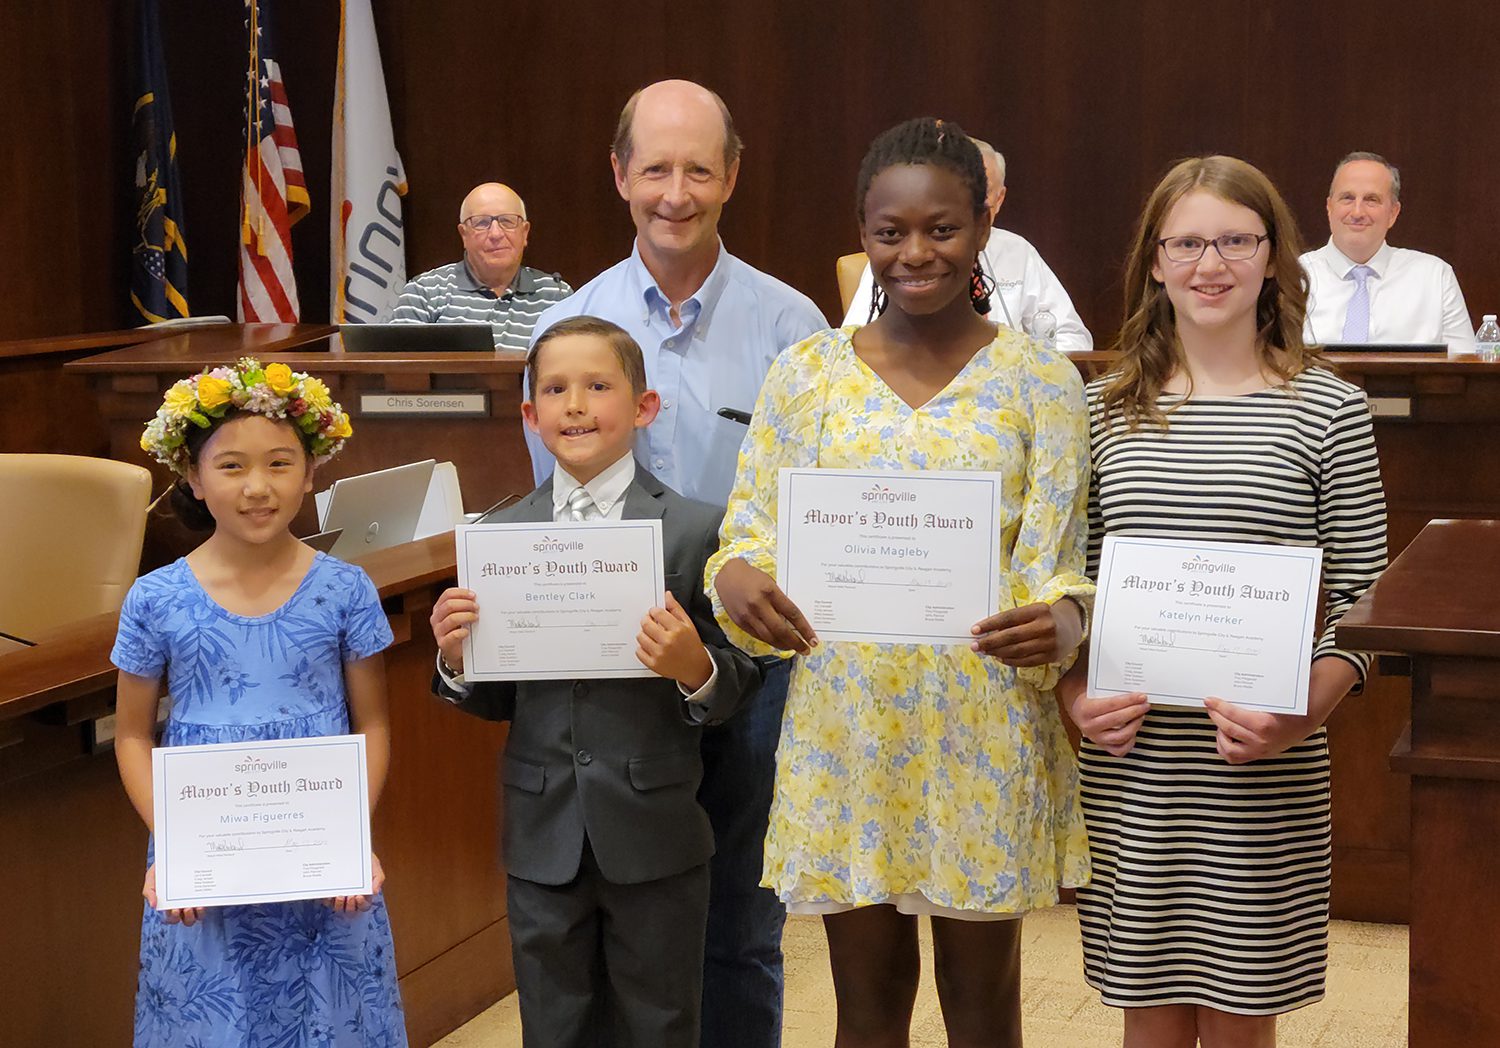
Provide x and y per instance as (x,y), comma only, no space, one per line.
(274,193)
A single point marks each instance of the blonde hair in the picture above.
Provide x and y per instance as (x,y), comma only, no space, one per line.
(1150,352)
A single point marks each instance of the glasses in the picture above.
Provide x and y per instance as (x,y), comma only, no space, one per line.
(1232,247)
(481,223)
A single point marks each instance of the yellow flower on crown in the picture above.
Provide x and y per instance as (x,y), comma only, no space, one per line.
(341,429)
(181,400)
(280,378)
(314,394)
(213,392)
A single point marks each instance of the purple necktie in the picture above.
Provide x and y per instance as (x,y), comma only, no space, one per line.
(1357,320)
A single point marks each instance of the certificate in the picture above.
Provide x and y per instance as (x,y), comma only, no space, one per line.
(1182,621)
(890,557)
(247,822)
(559,600)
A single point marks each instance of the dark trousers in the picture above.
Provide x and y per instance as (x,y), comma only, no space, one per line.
(602,963)
(742,976)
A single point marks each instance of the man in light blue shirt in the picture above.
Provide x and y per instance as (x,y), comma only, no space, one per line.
(710,351)
(709,326)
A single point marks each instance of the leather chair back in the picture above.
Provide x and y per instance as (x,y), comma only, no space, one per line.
(71,532)
(849,269)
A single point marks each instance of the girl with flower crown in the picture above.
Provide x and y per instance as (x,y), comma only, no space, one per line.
(258,637)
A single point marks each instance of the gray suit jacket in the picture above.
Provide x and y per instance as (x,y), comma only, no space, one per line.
(616,759)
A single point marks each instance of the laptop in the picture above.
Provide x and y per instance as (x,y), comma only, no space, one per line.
(376,510)
(417,338)
(1385,347)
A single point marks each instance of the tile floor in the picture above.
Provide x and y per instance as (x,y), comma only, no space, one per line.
(1365,1006)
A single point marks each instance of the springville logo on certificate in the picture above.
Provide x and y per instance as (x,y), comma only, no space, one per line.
(893,557)
(1182,621)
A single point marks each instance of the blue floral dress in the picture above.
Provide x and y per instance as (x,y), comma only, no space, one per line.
(281,975)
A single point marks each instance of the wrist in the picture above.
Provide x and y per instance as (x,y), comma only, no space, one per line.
(700,671)
(1067,616)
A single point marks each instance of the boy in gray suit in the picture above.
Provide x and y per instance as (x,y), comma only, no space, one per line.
(605,843)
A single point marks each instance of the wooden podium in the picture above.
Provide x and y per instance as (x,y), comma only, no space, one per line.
(1437,605)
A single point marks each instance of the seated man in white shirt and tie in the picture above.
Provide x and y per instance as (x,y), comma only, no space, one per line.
(1026,295)
(1360,289)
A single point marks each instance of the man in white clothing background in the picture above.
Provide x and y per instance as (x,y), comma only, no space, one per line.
(1361,289)
(1027,295)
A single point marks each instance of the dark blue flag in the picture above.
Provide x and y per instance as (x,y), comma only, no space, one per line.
(158,268)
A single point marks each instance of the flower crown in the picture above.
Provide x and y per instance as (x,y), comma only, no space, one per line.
(275,391)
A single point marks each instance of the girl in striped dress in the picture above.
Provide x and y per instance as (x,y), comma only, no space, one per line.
(1209,828)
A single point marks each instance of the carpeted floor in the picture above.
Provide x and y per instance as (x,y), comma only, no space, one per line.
(1365,1006)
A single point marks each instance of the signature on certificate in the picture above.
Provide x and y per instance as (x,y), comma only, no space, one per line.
(235,845)
(1225,647)
(1158,638)
(523,623)
(855,577)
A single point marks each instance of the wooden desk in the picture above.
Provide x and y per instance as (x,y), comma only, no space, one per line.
(1436,420)
(75,848)
(1437,604)
(487,450)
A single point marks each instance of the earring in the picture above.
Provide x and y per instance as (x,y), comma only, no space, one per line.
(980,289)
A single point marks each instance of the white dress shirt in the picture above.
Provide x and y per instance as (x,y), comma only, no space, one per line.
(608,492)
(1414,297)
(1024,286)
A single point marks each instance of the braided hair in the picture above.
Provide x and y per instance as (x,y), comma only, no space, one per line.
(924,140)
(942,143)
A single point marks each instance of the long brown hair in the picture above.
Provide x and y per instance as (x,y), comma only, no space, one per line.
(1150,352)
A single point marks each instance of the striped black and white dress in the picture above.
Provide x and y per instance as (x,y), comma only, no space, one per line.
(1211,881)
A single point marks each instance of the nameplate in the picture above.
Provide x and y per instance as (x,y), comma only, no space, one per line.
(1390,407)
(426,405)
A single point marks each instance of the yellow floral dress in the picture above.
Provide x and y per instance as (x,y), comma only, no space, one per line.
(917,770)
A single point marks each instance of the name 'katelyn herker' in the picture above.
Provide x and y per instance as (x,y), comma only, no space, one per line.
(879,519)
(1194,588)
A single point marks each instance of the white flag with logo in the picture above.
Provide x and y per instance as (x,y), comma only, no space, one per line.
(369,244)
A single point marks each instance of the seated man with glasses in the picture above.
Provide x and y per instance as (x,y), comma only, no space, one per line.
(488,285)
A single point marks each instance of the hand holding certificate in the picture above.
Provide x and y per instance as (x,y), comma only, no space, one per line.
(240,823)
(1183,621)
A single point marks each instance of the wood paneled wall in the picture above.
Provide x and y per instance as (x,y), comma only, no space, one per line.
(1090,102)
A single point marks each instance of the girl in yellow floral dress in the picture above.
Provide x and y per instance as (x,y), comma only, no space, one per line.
(917,779)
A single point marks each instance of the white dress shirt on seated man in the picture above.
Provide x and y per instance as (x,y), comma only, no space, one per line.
(1024,286)
(1414,297)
